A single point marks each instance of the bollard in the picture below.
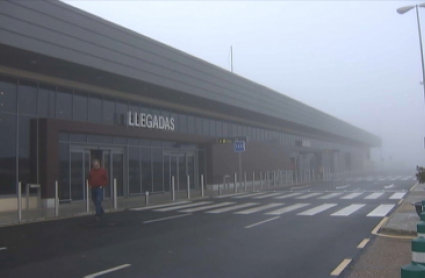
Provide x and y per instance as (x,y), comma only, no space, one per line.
(19,201)
(147,198)
(236,182)
(202,185)
(115,194)
(418,250)
(412,270)
(188,186)
(244,182)
(173,192)
(56,198)
(87,196)
(253,180)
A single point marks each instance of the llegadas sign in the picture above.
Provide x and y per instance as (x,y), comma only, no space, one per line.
(150,121)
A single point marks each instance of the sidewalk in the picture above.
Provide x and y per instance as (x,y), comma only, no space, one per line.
(391,249)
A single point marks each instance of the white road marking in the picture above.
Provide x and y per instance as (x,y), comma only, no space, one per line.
(232,208)
(287,209)
(262,222)
(309,196)
(351,196)
(257,209)
(300,187)
(287,196)
(340,268)
(348,210)
(374,196)
(229,195)
(160,206)
(166,218)
(363,243)
(380,211)
(249,195)
(343,186)
(389,186)
(397,196)
(317,210)
(3,248)
(331,195)
(268,195)
(183,206)
(97,274)
(190,210)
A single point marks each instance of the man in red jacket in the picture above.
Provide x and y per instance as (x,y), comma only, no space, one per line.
(98,179)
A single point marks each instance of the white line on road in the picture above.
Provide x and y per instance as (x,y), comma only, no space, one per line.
(248,195)
(184,206)
(389,186)
(231,208)
(351,196)
(288,196)
(340,268)
(344,186)
(207,207)
(166,218)
(257,209)
(374,196)
(331,195)
(399,202)
(160,206)
(97,274)
(348,210)
(363,243)
(262,222)
(380,211)
(397,196)
(309,196)
(3,248)
(268,195)
(287,209)
(317,210)
(229,195)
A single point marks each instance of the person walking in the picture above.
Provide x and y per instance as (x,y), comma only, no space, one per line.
(98,179)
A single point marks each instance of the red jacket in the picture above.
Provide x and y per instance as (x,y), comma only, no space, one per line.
(98,177)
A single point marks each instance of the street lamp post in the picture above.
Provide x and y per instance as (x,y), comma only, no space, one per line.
(404,10)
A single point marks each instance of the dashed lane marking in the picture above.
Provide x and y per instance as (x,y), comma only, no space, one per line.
(166,218)
(374,196)
(348,210)
(317,210)
(397,196)
(340,268)
(261,222)
(231,208)
(363,243)
(287,209)
(184,206)
(190,210)
(3,248)
(160,206)
(257,209)
(97,274)
(309,196)
(351,196)
(288,196)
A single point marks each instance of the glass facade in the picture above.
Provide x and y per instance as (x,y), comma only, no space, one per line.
(147,166)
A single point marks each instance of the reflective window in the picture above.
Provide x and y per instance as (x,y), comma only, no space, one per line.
(190,125)
(205,127)
(80,107)
(234,130)
(226,129)
(27,98)
(99,139)
(146,162)
(24,150)
(43,101)
(78,138)
(134,170)
(64,104)
(212,128)
(219,128)
(121,113)
(94,109)
(198,126)
(7,95)
(108,111)
(64,186)
(183,123)
(158,182)
(8,154)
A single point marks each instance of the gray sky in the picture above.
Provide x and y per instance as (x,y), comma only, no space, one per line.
(356,60)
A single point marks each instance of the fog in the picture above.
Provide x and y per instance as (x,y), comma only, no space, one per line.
(356,60)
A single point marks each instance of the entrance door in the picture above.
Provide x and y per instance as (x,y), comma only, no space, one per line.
(180,165)
(113,162)
(79,169)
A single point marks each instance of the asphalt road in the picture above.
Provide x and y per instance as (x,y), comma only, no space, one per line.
(299,232)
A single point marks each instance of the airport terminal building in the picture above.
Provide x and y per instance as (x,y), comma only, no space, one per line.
(74,87)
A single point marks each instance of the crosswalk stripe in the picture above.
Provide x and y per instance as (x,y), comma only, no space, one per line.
(331,195)
(231,208)
(268,195)
(257,209)
(287,196)
(160,206)
(287,209)
(381,211)
(374,196)
(351,196)
(183,206)
(248,195)
(397,196)
(190,210)
(309,196)
(317,210)
(348,210)
(229,195)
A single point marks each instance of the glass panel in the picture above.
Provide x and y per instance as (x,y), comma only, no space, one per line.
(106,163)
(80,107)
(82,138)
(191,170)
(121,113)
(63,137)
(120,140)
(27,98)
(133,141)
(108,111)
(64,104)
(219,129)
(174,171)
(43,101)
(7,95)
(205,127)
(158,181)
(118,172)
(8,154)
(202,170)
(64,188)
(95,109)
(146,169)
(167,175)
(99,139)
(190,125)
(198,127)
(24,150)
(77,175)
(183,123)
(87,167)
(182,173)
(134,170)
(212,128)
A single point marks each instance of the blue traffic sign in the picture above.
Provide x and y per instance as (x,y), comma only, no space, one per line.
(239,146)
